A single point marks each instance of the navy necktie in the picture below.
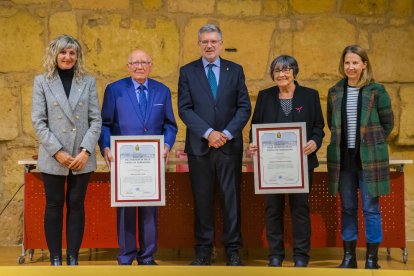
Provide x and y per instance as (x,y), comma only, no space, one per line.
(212,80)
(142,101)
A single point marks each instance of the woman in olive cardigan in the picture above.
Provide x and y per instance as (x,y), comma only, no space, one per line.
(360,118)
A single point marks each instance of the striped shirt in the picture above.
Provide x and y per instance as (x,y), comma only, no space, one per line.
(352,114)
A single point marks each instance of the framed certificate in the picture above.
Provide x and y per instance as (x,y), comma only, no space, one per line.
(280,165)
(137,171)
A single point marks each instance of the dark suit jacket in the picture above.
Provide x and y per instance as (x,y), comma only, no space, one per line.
(306,107)
(121,115)
(199,111)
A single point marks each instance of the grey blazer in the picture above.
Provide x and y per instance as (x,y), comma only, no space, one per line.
(67,124)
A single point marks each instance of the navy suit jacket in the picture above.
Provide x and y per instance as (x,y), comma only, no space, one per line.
(200,111)
(306,107)
(121,115)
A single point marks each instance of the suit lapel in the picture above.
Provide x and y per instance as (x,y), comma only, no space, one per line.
(57,90)
(151,95)
(367,103)
(201,75)
(133,97)
(336,99)
(225,71)
(276,103)
(76,92)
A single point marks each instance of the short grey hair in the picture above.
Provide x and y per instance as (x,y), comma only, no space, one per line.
(210,28)
(284,61)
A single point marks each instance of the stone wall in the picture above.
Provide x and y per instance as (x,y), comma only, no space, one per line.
(255,31)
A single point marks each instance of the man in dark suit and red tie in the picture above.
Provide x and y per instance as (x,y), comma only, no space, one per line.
(214,104)
(137,105)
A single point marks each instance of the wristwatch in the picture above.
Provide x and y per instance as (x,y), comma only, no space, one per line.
(85,150)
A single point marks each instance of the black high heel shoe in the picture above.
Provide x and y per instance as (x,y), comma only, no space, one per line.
(56,260)
(72,260)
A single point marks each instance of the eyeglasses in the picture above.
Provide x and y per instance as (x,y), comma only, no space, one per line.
(212,42)
(138,63)
(285,70)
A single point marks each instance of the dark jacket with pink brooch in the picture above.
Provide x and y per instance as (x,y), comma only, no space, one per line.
(306,107)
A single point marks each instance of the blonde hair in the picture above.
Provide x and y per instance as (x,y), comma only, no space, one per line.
(55,47)
(367,75)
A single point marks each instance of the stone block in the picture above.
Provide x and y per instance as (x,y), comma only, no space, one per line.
(251,50)
(395,102)
(275,7)
(109,41)
(398,21)
(402,8)
(239,7)
(282,44)
(364,7)
(26,101)
(63,23)
(316,61)
(313,6)
(389,64)
(8,11)
(33,2)
(104,5)
(363,39)
(9,114)
(190,6)
(12,176)
(11,228)
(22,45)
(406,120)
(152,5)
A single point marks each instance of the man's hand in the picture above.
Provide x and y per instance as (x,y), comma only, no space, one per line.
(166,153)
(216,139)
(64,158)
(108,157)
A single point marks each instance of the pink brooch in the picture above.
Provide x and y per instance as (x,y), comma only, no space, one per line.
(299,109)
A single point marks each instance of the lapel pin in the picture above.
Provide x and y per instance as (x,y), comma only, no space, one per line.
(227,68)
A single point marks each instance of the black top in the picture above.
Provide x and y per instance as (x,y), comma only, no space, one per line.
(350,157)
(66,76)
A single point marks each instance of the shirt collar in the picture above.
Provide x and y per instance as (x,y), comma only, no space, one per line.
(206,62)
(137,84)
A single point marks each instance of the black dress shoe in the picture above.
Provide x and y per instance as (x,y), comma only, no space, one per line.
(301,263)
(72,260)
(147,262)
(275,261)
(56,260)
(201,261)
(233,260)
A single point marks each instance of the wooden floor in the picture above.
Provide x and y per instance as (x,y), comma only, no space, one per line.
(320,258)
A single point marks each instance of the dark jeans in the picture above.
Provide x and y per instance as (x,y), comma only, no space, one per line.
(301,228)
(75,212)
(348,189)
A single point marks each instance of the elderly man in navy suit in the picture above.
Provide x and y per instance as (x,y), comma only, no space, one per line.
(137,105)
(214,104)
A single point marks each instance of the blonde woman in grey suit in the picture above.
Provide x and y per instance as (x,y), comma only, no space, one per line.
(67,121)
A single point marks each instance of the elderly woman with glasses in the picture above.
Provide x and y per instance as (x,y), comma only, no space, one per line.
(288,102)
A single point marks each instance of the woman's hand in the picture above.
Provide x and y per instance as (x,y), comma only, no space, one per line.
(252,148)
(309,147)
(80,161)
(64,158)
